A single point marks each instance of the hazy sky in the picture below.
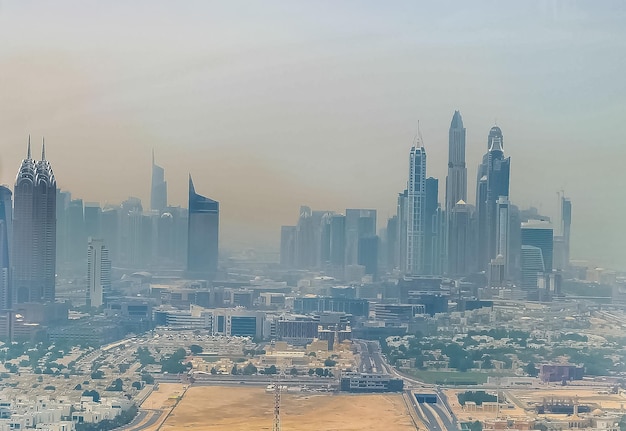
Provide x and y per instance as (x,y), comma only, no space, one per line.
(271,105)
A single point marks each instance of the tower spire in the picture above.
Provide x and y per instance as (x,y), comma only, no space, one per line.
(43,148)
(28,153)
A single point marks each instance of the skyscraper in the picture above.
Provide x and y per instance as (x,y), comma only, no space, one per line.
(6,230)
(287,246)
(392,243)
(34,231)
(498,169)
(432,222)
(532,265)
(460,239)
(503,232)
(98,273)
(337,241)
(360,223)
(305,239)
(402,212)
(538,233)
(203,234)
(493,182)
(158,192)
(416,219)
(456,181)
(566,220)
(76,234)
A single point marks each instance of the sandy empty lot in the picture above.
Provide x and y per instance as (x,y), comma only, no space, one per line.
(208,408)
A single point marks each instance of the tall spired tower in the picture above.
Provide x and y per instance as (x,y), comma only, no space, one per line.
(34,231)
(456,181)
(496,170)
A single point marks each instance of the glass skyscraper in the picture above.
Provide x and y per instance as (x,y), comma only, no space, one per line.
(493,182)
(203,234)
(416,202)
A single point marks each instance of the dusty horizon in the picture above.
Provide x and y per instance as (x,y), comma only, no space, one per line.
(284,104)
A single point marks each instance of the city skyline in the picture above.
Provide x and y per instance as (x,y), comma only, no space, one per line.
(284,124)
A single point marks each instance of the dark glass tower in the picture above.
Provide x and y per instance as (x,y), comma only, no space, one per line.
(498,170)
(158,192)
(203,234)
(540,234)
(493,182)
(34,231)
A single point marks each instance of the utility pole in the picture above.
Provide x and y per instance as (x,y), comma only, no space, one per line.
(276,406)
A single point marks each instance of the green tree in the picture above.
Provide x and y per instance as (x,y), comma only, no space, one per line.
(93,394)
(116,385)
(173,364)
(195,349)
(531,370)
(293,371)
(249,369)
(96,375)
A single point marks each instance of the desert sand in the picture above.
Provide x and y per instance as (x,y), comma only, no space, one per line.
(208,408)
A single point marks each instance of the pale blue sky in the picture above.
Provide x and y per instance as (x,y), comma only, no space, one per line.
(275,104)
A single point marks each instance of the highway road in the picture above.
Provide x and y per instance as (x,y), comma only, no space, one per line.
(371,359)
(436,415)
(140,422)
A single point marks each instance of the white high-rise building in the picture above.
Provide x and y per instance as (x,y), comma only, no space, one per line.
(98,272)
(416,201)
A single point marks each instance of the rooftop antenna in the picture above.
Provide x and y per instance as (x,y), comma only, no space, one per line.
(43,148)
(28,153)
(418,141)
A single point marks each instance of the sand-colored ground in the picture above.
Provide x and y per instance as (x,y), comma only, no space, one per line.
(208,408)
(163,397)
(159,405)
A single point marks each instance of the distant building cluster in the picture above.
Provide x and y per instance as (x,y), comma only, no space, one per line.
(511,248)
(44,233)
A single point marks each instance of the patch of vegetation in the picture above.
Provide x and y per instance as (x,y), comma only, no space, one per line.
(478,397)
(173,364)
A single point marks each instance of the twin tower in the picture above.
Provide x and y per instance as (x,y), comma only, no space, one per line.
(28,234)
